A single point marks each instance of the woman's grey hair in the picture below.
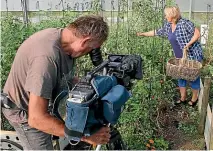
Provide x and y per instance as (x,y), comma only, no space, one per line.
(173,11)
(90,25)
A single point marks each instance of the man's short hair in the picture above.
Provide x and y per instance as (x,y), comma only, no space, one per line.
(90,25)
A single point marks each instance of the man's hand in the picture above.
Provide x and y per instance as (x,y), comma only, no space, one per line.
(100,137)
(75,80)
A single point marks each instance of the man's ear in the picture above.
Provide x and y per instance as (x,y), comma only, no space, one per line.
(85,41)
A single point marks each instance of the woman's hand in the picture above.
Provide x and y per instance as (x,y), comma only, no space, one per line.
(147,34)
(187,46)
(100,137)
(140,34)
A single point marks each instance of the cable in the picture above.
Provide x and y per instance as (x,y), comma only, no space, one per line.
(10,144)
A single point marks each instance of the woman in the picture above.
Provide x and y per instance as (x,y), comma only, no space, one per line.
(181,33)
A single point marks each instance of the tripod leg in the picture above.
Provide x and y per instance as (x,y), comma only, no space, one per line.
(57,145)
(116,142)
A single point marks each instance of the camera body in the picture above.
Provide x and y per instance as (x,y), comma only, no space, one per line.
(98,98)
(124,67)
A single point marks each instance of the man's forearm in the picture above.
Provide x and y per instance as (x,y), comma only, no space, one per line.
(48,124)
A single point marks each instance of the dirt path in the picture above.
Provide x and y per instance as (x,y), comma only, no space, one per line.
(178,125)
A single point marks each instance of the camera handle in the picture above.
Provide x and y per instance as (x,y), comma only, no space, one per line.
(99,146)
(90,75)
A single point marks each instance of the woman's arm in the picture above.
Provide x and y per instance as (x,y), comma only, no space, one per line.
(161,32)
(147,34)
(195,37)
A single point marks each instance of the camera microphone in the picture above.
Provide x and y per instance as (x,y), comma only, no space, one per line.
(96,56)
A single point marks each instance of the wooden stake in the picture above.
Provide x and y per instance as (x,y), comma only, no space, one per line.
(202,117)
(211,133)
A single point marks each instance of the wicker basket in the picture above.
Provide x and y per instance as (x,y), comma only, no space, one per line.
(183,68)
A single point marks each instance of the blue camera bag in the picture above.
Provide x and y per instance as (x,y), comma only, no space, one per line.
(76,119)
(102,84)
(113,103)
(80,116)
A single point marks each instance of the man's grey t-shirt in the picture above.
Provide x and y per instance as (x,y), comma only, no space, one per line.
(40,67)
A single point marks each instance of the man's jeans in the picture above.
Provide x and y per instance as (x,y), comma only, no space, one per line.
(31,138)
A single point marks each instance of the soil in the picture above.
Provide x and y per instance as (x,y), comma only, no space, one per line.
(169,118)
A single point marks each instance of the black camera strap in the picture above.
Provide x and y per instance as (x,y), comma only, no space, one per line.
(72,133)
(7,103)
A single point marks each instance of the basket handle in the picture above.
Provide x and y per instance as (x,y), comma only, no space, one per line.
(185,53)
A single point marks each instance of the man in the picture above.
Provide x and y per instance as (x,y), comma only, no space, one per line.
(42,64)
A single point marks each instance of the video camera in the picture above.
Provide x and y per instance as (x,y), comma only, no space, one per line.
(97,99)
(124,67)
(99,96)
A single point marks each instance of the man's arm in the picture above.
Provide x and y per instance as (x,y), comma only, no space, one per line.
(40,119)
